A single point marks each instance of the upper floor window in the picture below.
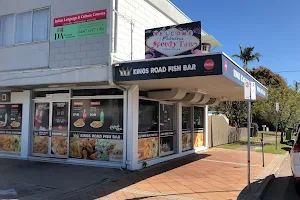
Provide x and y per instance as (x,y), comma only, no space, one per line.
(204,47)
(27,27)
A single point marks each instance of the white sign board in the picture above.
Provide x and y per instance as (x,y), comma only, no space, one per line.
(253,91)
(277,107)
(247,90)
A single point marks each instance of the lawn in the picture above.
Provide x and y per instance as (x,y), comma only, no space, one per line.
(270,148)
(231,146)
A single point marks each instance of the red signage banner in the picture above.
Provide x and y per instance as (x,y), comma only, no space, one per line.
(79,18)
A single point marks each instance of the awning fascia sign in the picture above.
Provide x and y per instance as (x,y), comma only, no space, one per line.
(186,66)
(235,73)
(175,67)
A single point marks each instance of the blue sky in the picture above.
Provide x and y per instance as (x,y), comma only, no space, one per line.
(272,26)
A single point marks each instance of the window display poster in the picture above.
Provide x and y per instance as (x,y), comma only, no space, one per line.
(60,116)
(41,131)
(147,148)
(105,115)
(166,143)
(97,129)
(148,130)
(186,140)
(10,127)
(198,138)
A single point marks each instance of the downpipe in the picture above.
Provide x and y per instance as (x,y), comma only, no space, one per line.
(110,70)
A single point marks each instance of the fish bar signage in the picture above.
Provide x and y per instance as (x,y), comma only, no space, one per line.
(183,39)
(169,68)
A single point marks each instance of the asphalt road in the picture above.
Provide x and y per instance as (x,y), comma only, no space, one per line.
(283,187)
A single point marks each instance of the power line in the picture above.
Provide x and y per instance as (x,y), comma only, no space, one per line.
(291,71)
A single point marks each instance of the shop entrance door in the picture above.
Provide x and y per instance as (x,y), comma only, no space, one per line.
(51,128)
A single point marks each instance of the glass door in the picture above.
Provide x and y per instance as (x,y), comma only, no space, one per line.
(50,131)
(59,129)
(41,129)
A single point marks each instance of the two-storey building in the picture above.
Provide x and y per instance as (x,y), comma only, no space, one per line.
(61,103)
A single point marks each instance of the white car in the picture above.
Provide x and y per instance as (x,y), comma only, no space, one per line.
(295,159)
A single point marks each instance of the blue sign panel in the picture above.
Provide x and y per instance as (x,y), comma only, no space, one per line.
(238,75)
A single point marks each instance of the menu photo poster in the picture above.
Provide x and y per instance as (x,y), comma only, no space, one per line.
(41,131)
(186,140)
(148,147)
(97,129)
(198,138)
(10,127)
(95,115)
(60,116)
(166,143)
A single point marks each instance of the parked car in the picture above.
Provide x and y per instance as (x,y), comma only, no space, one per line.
(295,159)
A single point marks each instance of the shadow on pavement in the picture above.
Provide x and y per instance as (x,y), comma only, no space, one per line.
(137,176)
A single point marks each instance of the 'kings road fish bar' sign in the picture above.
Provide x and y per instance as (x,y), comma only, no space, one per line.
(183,39)
(169,68)
(80,25)
(238,75)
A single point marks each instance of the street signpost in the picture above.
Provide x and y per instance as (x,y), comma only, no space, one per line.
(277,110)
(249,94)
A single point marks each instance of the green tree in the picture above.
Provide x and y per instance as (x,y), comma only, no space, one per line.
(268,78)
(247,55)
(289,109)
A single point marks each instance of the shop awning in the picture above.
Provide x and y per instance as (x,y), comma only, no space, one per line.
(212,75)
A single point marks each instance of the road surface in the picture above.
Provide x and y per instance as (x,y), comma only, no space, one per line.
(283,186)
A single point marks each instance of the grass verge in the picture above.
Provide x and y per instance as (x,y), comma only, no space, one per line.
(271,148)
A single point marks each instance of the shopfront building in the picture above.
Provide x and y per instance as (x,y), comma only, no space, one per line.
(70,95)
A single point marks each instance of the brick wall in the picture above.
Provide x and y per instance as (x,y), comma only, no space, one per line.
(79,52)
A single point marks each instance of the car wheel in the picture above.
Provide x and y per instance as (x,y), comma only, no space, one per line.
(297,186)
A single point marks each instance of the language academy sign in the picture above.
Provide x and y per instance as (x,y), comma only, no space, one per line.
(183,39)
(80,25)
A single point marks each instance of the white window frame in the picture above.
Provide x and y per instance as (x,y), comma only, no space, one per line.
(15,27)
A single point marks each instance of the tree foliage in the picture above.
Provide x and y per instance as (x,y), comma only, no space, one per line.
(247,55)
(268,78)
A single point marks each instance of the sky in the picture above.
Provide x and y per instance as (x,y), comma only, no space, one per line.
(272,26)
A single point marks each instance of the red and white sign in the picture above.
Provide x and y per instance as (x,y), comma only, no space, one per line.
(209,64)
(79,18)
(225,65)
(247,90)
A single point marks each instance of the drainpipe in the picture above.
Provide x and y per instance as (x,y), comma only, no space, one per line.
(110,70)
(114,27)
(115,10)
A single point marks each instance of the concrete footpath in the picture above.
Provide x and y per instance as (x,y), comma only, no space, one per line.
(217,174)
(214,174)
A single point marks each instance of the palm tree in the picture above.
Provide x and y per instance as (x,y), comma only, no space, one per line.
(247,55)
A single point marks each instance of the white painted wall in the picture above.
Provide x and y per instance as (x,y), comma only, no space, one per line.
(145,16)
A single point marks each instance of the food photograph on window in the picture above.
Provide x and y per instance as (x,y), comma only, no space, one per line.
(96,129)
(148,130)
